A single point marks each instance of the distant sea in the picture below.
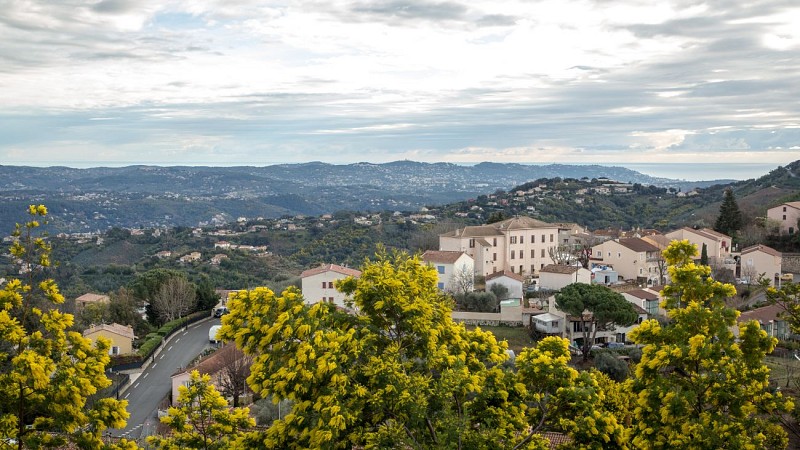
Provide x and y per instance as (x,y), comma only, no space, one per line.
(701,171)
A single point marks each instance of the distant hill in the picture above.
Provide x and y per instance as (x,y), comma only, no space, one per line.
(150,196)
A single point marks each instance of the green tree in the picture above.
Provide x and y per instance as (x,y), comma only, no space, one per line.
(202,419)
(698,386)
(147,286)
(46,371)
(598,307)
(704,255)
(397,374)
(730,219)
(207,297)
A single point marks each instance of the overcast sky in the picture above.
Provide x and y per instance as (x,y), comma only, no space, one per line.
(250,82)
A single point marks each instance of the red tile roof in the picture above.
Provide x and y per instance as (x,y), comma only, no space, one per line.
(331,268)
(504,273)
(638,245)
(558,268)
(441,256)
(762,248)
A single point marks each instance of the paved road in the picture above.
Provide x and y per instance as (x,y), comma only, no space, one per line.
(154,383)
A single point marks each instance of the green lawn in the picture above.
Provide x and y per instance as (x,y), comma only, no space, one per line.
(517,337)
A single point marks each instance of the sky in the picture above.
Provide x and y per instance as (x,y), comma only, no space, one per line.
(249,82)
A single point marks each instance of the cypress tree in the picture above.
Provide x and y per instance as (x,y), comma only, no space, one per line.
(729,220)
(704,255)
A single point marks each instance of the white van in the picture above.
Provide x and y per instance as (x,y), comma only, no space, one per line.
(212,333)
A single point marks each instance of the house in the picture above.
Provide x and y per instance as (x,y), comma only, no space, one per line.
(788,215)
(646,299)
(212,365)
(757,260)
(121,337)
(510,280)
(519,244)
(163,254)
(632,258)
(90,299)
(604,275)
(718,245)
(769,319)
(555,277)
(317,283)
(217,259)
(191,257)
(456,269)
(548,323)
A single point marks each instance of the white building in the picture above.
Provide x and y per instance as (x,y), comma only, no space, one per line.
(317,284)
(456,269)
(787,215)
(520,244)
(555,277)
(511,281)
(632,258)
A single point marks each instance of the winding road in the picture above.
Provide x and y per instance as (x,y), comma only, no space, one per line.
(154,383)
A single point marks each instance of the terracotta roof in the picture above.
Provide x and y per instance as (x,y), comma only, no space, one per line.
(638,245)
(638,309)
(121,330)
(476,231)
(642,294)
(522,223)
(441,256)
(707,233)
(763,248)
(558,268)
(716,233)
(212,363)
(659,240)
(331,268)
(556,439)
(504,273)
(764,314)
(795,205)
(92,298)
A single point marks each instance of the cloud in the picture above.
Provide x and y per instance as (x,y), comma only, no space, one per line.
(340,81)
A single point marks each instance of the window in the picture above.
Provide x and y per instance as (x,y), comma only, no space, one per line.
(522,239)
(440,269)
(324,284)
(640,270)
(609,254)
(512,269)
(115,350)
(330,299)
(330,284)
(784,210)
(551,238)
(542,253)
(619,255)
(541,266)
(440,285)
(784,217)
(494,256)
(533,269)
(512,239)
(542,238)
(472,243)
(533,253)
(494,242)
(520,269)
(599,254)
(520,254)
(512,254)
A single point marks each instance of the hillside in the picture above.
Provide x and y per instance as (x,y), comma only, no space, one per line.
(85,200)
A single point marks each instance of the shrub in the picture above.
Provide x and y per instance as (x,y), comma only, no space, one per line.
(609,364)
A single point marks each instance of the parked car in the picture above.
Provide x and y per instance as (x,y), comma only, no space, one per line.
(615,345)
(219,312)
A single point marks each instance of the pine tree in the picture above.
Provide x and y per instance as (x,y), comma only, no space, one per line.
(729,220)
